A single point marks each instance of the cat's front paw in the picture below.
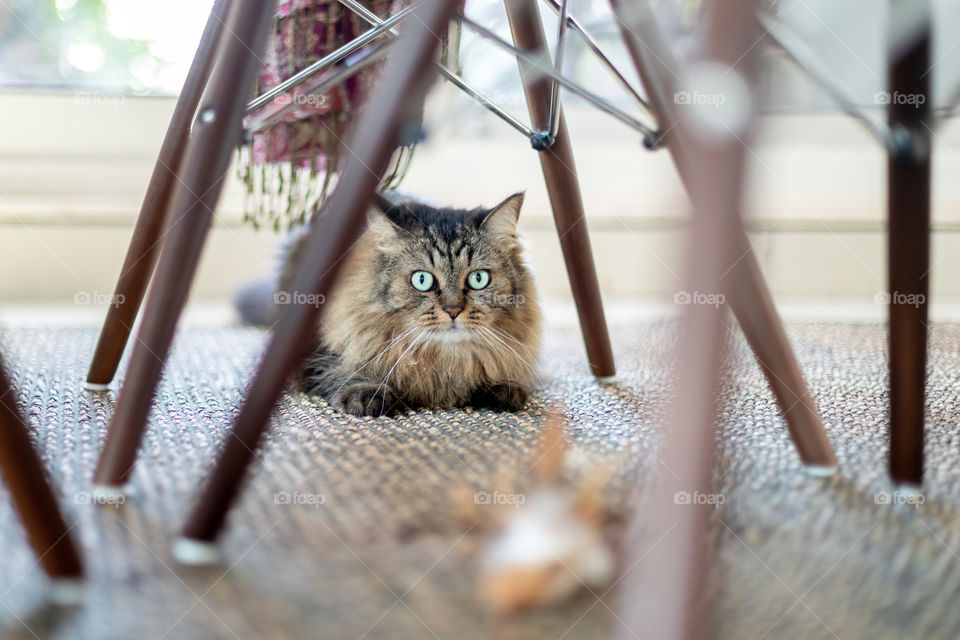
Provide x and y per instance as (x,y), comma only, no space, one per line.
(503,397)
(366,399)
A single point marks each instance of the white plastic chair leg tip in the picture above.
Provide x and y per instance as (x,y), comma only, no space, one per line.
(96,386)
(911,490)
(821,471)
(608,379)
(197,553)
(68,591)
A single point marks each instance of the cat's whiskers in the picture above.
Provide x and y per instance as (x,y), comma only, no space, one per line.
(488,332)
(504,334)
(392,342)
(494,350)
(500,334)
(416,340)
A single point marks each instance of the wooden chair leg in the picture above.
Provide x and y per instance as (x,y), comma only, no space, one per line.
(374,138)
(750,298)
(560,174)
(753,306)
(660,596)
(142,252)
(206,159)
(908,237)
(33,499)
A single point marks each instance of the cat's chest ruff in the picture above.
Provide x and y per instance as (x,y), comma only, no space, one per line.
(446,363)
(446,360)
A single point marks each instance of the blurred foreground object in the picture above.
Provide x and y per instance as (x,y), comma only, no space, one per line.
(547,543)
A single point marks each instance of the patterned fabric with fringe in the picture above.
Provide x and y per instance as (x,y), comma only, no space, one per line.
(288,166)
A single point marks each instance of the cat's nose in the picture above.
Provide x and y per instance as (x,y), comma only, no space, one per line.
(452,311)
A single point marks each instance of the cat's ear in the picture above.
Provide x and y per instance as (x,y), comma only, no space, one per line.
(379,220)
(502,219)
(387,220)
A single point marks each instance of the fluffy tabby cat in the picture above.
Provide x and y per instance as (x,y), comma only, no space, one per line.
(435,307)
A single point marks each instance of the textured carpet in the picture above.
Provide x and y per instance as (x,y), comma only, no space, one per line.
(369,547)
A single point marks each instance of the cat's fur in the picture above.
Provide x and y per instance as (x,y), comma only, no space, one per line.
(384,345)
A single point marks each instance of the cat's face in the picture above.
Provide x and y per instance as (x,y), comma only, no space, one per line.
(450,275)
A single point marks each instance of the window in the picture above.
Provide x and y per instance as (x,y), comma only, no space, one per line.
(99,46)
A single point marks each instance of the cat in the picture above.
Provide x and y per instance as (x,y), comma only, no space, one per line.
(435,307)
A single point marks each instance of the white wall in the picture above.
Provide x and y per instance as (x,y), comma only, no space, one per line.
(72,173)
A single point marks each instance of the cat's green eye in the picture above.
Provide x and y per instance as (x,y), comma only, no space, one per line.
(478,279)
(422,280)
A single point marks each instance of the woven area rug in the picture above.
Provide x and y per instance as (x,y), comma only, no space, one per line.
(368,545)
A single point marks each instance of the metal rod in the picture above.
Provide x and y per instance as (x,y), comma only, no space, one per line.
(558,67)
(485,101)
(808,64)
(650,137)
(265,118)
(330,59)
(386,26)
(448,75)
(366,14)
(598,52)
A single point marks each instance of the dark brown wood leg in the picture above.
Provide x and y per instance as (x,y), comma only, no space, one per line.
(560,174)
(23,475)
(660,595)
(753,306)
(216,130)
(144,245)
(908,184)
(374,138)
(750,298)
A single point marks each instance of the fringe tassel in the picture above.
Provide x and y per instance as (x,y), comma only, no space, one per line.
(281,195)
(291,192)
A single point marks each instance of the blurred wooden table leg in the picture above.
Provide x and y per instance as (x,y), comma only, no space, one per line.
(749,297)
(659,596)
